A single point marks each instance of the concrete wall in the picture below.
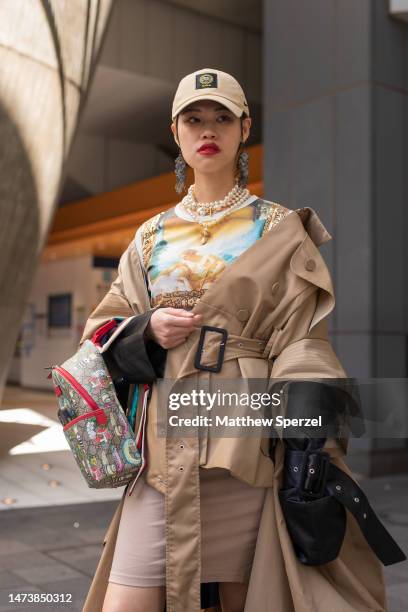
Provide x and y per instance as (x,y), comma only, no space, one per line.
(41,346)
(335,139)
(163,41)
(48,52)
(150,45)
(101,164)
(335,134)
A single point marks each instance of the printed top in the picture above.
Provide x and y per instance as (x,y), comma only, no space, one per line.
(178,268)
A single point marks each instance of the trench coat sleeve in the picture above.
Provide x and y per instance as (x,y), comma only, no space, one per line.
(131,355)
(299,352)
(116,302)
(300,349)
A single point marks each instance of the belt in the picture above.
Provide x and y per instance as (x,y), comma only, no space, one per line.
(224,347)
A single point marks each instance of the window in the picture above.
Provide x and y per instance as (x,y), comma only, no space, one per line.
(60,311)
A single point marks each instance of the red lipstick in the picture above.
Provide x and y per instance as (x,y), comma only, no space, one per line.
(209,149)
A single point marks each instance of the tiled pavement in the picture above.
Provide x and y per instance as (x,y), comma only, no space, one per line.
(50,543)
(51,550)
(55,549)
(31,437)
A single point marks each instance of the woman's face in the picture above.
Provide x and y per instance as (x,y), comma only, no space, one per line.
(207,122)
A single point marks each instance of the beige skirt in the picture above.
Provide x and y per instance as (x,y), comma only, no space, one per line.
(230,515)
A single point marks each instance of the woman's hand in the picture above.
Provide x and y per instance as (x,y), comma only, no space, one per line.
(169,327)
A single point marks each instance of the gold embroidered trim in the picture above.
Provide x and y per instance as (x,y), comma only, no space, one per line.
(274,214)
(178,299)
(148,235)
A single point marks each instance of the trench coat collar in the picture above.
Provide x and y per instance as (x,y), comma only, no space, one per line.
(310,225)
(313,225)
(305,224)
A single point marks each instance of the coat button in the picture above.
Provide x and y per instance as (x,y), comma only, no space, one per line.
(242,314)
(275,288)
(310,265)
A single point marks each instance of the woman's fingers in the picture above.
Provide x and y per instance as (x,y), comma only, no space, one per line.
(181,317)
(178,312)
(190,322)
(178,317)
(171,326)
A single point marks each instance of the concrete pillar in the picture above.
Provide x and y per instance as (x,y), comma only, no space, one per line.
(335,134)
(48,52)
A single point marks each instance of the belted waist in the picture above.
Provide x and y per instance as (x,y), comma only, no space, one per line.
(216,345)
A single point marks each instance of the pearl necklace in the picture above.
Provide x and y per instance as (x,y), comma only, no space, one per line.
(209,208)
(232,201)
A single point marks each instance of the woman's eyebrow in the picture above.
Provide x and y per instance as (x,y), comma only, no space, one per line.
(196,109)
(190,110)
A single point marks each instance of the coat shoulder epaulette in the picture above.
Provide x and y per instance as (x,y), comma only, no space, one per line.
(274,213)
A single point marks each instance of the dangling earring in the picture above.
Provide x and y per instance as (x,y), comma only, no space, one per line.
(243,167)
(180,167)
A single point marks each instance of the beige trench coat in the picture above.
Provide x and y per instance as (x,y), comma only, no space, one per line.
(274,300)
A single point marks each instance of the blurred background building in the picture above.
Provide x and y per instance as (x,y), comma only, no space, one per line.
(327,85)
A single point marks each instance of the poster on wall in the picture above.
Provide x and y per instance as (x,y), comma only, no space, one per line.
(28,330)
(60,313)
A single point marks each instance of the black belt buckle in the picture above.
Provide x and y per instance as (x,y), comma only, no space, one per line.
(315,471)
(197,360)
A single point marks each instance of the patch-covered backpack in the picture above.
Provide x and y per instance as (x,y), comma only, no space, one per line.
(98,432)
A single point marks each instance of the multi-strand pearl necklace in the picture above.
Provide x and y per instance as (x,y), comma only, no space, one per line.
(232,201)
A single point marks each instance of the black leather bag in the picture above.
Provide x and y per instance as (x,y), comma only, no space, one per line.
(316,494)
(315,520)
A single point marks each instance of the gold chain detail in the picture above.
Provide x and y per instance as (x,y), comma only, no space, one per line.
(149,229)
(275,213)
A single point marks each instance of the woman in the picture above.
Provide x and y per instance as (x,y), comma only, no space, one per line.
(206,510)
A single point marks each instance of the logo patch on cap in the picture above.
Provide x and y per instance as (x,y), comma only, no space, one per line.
(206,79)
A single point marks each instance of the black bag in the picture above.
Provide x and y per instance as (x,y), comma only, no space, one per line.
(315,493)
(316,521)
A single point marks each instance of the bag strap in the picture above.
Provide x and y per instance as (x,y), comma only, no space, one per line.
(112,329)
(352,497)
(312,474)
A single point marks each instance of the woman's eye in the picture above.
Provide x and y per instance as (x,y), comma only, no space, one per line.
(220,119)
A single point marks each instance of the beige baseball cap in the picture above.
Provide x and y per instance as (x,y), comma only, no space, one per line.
(210,84)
